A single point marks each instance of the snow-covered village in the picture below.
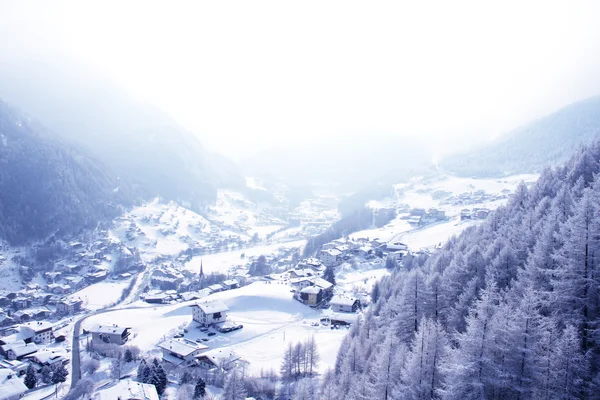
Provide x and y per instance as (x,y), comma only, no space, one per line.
(166,293)
(273,200)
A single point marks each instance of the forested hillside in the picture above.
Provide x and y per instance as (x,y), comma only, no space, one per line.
(508,310)
(138,141)
(47,186)
(547,141)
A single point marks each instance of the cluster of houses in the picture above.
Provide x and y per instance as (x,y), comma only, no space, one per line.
(170,296)
(34,303)
(422,217)
(477,197)
(23,346)
(475,213)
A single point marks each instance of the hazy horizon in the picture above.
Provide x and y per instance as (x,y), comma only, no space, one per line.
(257,76)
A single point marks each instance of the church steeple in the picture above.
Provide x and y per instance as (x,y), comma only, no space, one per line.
(201,270)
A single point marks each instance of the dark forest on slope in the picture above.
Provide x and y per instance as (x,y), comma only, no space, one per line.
(507,310)
(47,186)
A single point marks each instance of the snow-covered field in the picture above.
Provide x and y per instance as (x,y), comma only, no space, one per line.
(222,262)
(270,315)
(435,234)
(101,294)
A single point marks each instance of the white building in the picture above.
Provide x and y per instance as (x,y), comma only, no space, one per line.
(41,331)
(330,257)
(344,304)
(209,313)
(127,389)
(181,352)
(11,387)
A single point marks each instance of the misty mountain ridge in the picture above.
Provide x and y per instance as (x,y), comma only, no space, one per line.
(545,142)
(49,186)
(140,142)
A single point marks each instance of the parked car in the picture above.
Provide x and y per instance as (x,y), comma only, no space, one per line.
(178,335)
(211,334)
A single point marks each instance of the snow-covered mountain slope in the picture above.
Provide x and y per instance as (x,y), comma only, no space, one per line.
(545,142)
(446,193)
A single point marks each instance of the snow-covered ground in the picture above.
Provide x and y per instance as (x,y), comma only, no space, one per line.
(101,294)
(434,234)
(223,262)
(270,315)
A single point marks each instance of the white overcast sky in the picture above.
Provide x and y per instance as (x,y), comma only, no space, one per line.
(250,75)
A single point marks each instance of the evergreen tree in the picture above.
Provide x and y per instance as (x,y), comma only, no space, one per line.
(59,374)
(128,356)
(46,374)
(158,377)
(30,378)
(200,389)
(329,274)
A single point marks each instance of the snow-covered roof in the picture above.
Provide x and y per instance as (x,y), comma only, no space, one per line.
(333,252)
(322,283)
(10,386)
(311,290)
(109,329)
(181,347)
(127,389)
(38,326)
(212,307)
(231,282)
(48,356)
(218,356)
(20,351)
(299,280)
(216,287)
(343,300)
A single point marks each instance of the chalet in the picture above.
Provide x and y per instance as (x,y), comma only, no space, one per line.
(127,389)
(301,273)
(312,295)
(231,284)
(21,316)
(181,352)
(110,334)
(344,304)
(330,257)
(301,283)
(47,358)
(209,313)
(125,275)
(41,331)
(11,387)
(5,320)
(395,246)
(216,288)
(224,359)
(324,285)
(18,350)
(21,302)
(97,276)
(69,305)
(155,298)
(58,288)
(76,282)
